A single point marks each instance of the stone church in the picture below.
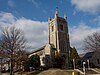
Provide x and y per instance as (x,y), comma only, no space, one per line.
(58,41)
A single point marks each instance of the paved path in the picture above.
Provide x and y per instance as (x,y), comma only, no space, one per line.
(5,74)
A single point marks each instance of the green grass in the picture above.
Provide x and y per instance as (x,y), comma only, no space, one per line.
(35,72)
(27,73)
(52,71)
(69,72)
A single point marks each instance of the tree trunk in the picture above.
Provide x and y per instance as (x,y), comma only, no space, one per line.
(11,70)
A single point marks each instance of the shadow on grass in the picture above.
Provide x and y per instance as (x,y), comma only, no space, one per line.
(35,72)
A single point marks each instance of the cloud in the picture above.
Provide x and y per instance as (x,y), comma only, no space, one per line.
(91,6)
(74,12)
(35,31)
(6,19)
(97,20)
(79,33)
(34,2)
(11,3)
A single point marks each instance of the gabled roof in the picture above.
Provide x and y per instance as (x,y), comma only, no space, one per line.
(39,49)
(81,55)
(88,55)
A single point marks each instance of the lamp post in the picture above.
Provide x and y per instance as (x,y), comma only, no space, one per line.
(84,67)
(74,63)
(88,64)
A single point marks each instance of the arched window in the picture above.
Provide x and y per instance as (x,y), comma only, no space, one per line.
(61,27)
(52,28)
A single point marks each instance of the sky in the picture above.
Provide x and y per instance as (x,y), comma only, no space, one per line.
(83,17)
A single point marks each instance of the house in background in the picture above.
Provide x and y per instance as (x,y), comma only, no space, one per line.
(4,64)
(93,57)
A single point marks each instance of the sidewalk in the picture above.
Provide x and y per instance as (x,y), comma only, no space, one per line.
(5,74)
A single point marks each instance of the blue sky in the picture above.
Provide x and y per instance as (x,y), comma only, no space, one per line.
(31,16)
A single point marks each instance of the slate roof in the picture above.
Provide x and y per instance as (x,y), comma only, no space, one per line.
(81,55)
(88,55)
(39,49)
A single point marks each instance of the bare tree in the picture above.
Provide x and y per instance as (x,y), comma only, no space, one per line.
(21,57)
(92,42)
(12,40)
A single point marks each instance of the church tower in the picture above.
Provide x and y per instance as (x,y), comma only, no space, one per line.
(58,35)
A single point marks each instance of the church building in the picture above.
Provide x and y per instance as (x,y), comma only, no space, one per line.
(58,42)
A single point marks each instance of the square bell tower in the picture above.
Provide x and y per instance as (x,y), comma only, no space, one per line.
(58,35)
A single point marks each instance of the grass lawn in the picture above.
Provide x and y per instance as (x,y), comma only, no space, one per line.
(35,72)
(29,73)
(69,72)
(55,72)
(50,72)
(25,73)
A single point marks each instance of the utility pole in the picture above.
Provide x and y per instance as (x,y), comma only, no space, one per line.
(74,63)
(84,67)
(88,64)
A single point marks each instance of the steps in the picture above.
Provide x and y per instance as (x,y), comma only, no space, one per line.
(89,71)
